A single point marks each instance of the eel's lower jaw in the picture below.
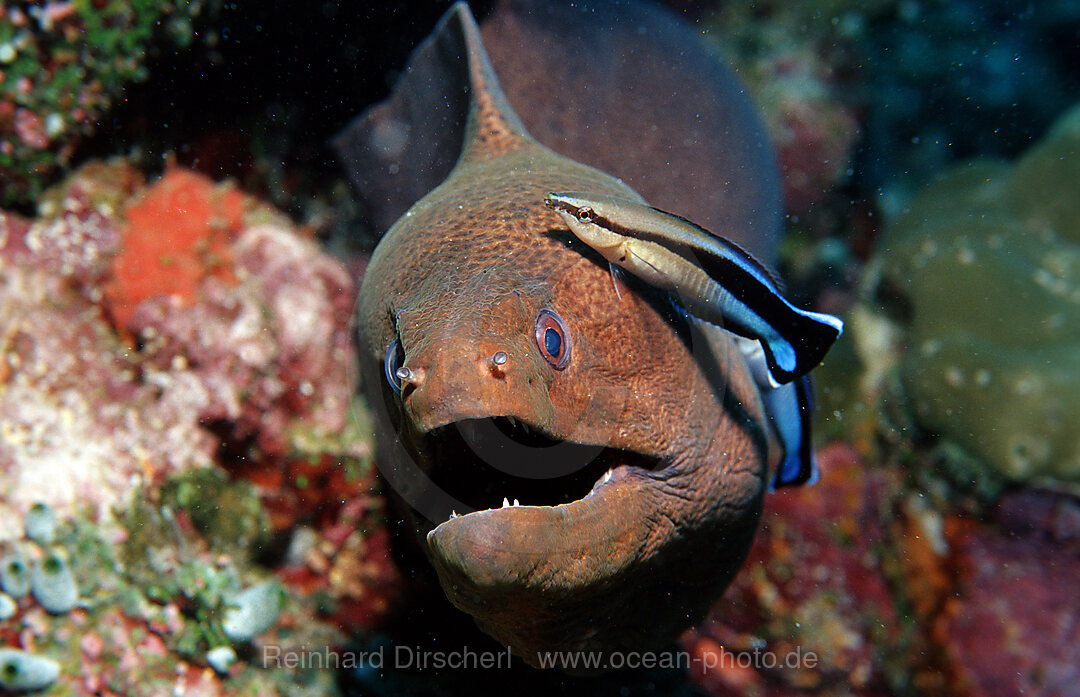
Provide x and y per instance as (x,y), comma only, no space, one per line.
(584,570)
(545,576)
(499,463)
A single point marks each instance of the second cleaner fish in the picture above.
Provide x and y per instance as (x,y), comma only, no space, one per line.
(715,279)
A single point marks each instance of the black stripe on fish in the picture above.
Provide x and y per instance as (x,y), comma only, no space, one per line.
(808,335)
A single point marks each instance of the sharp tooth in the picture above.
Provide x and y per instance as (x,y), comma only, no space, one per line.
(513,421)
(516,502)
(453,514)
(506,504)
(606,477)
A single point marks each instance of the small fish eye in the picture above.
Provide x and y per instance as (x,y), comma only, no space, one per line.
(553,339)
(395,356)
(584,214)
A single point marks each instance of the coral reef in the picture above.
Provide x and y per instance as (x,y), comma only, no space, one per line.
(154,605)
(821,70)
(867,585)
(793,60)
(109,378)
(812,597)
(15,574)
(161,438)
(1011,629)
(52,582)
(252,611)
(178,430)
(63,64)
(984,267)
(21,671)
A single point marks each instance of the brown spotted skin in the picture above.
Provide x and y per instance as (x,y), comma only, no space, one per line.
(463,275)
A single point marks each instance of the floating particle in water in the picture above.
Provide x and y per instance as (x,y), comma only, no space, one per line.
(253,611)
(21,671)
(53,584)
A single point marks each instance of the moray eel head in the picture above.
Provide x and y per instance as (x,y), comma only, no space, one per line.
(563,447)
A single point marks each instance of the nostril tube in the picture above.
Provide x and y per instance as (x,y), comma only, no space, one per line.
(410,376)
(499,358)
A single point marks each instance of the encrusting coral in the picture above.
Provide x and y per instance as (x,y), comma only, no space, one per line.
(135,316)
(986,264)
(175,399)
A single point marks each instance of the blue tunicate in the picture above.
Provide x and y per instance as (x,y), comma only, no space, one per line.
(53,584)
(14,575)
(21,671)
(253,611)
(41,524)
(8,608)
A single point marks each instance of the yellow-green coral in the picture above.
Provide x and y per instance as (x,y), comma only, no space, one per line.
(988,262)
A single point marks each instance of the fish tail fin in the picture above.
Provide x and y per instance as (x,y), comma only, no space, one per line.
(803,346)
(782,359)
(797,469)
(794,471)
(820,331)
(792,408)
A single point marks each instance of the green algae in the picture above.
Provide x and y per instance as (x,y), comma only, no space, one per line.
(226,512)
(986,264)
(160,584)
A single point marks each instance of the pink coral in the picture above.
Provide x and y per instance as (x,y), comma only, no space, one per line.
(1011,626)
(79,427)
(30,129)
(813,131)
(812,587)
(259,343)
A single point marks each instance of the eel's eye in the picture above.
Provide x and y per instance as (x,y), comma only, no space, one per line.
(394,358)
(553,339)
(584,214)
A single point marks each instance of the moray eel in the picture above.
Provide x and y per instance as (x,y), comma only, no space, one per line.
(585,467)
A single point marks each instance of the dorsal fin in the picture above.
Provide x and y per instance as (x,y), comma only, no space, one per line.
(621,85)
(493,128)
(448,105)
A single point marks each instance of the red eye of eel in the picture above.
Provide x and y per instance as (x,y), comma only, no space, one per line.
(553,339)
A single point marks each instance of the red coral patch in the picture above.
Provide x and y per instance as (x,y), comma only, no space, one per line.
(178,233)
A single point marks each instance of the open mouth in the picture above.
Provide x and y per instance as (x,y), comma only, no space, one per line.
(502,461)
